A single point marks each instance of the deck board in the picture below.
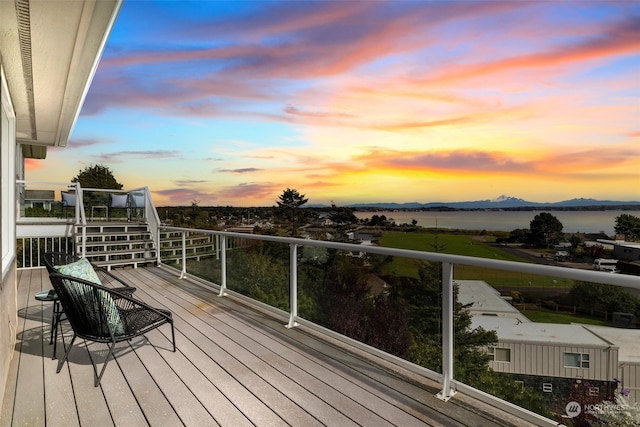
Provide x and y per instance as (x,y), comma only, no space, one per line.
(234,366)
(29,395)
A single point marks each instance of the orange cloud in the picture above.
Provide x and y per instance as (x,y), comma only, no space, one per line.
(31,165)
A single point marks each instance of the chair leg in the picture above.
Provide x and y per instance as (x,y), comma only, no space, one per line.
(97,377)
(54,330)
(66,354)
(173,336)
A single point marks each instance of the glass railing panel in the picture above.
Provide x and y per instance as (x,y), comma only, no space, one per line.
(200,249)
(361,295)
(96,204)
(43,200)
(203,255)
(260,270)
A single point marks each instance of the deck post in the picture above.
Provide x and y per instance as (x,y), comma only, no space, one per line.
(447,332)
(293,284)
(183,274)
(223,265)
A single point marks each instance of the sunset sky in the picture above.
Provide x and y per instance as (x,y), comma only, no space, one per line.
(230,103)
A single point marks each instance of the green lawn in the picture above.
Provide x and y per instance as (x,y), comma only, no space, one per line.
(546,316)
(468,245)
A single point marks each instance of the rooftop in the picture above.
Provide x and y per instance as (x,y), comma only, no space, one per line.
(486,300)
(627,339)
(548,333)
(234,366)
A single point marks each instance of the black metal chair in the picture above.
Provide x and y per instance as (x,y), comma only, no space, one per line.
(53,259)
(104,315)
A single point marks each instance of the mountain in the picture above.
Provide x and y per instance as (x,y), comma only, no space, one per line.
(501,202)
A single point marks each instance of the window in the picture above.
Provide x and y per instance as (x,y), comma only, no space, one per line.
(500,354)
(576,360)
(547,387)
(594,391)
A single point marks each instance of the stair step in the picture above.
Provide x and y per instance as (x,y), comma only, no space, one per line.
(117,244)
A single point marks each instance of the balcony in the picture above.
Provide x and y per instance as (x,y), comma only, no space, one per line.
(252,348)
(235,365)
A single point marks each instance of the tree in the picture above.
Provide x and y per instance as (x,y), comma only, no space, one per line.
(97,176)
(577,245)
(545,229)
(378,221)
(519,235)
(602,297)
(629,225)
(342,216)
(291,199)
(289,202)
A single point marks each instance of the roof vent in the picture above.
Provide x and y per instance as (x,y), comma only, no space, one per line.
(24,35)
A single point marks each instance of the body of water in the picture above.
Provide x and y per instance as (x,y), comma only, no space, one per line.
(572,221)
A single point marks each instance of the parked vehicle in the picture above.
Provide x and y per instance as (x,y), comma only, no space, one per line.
(605,264)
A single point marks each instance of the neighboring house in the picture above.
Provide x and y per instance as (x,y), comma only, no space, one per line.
(49,51)
(552,358)
(42,199)
(627,251)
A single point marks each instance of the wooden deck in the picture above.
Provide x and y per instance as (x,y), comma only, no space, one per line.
(234,366)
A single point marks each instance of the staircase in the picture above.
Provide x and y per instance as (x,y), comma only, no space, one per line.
(117,244)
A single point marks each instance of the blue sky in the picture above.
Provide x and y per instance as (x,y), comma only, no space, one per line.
(229,103)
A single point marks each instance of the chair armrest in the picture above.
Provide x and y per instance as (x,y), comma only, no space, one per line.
(109,280)
(124,290)
(124,300)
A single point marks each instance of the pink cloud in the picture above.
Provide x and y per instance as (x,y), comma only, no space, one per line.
(619,38)
(251,191)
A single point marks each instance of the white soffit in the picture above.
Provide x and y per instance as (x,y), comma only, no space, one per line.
(50,51)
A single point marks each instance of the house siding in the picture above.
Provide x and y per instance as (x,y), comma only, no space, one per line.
(629,376)
(8,286)
(548,360)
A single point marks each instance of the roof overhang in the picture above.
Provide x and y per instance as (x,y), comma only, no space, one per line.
(49,50)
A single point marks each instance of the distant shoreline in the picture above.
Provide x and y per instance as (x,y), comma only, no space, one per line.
(495,209)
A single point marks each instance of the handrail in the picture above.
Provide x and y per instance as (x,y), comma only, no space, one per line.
(514,266)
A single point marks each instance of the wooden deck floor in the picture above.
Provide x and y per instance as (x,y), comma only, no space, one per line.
(234,366)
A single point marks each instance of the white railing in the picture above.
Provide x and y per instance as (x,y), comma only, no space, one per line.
(446,379)
(42,214)
(30,249)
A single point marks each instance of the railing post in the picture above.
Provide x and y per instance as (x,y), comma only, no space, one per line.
(80,218)
(447,332)
(223,264)
(183,274)
(293,284)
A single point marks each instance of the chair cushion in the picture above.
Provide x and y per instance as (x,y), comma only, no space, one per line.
(68,199)
(82,269)
(119,200)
